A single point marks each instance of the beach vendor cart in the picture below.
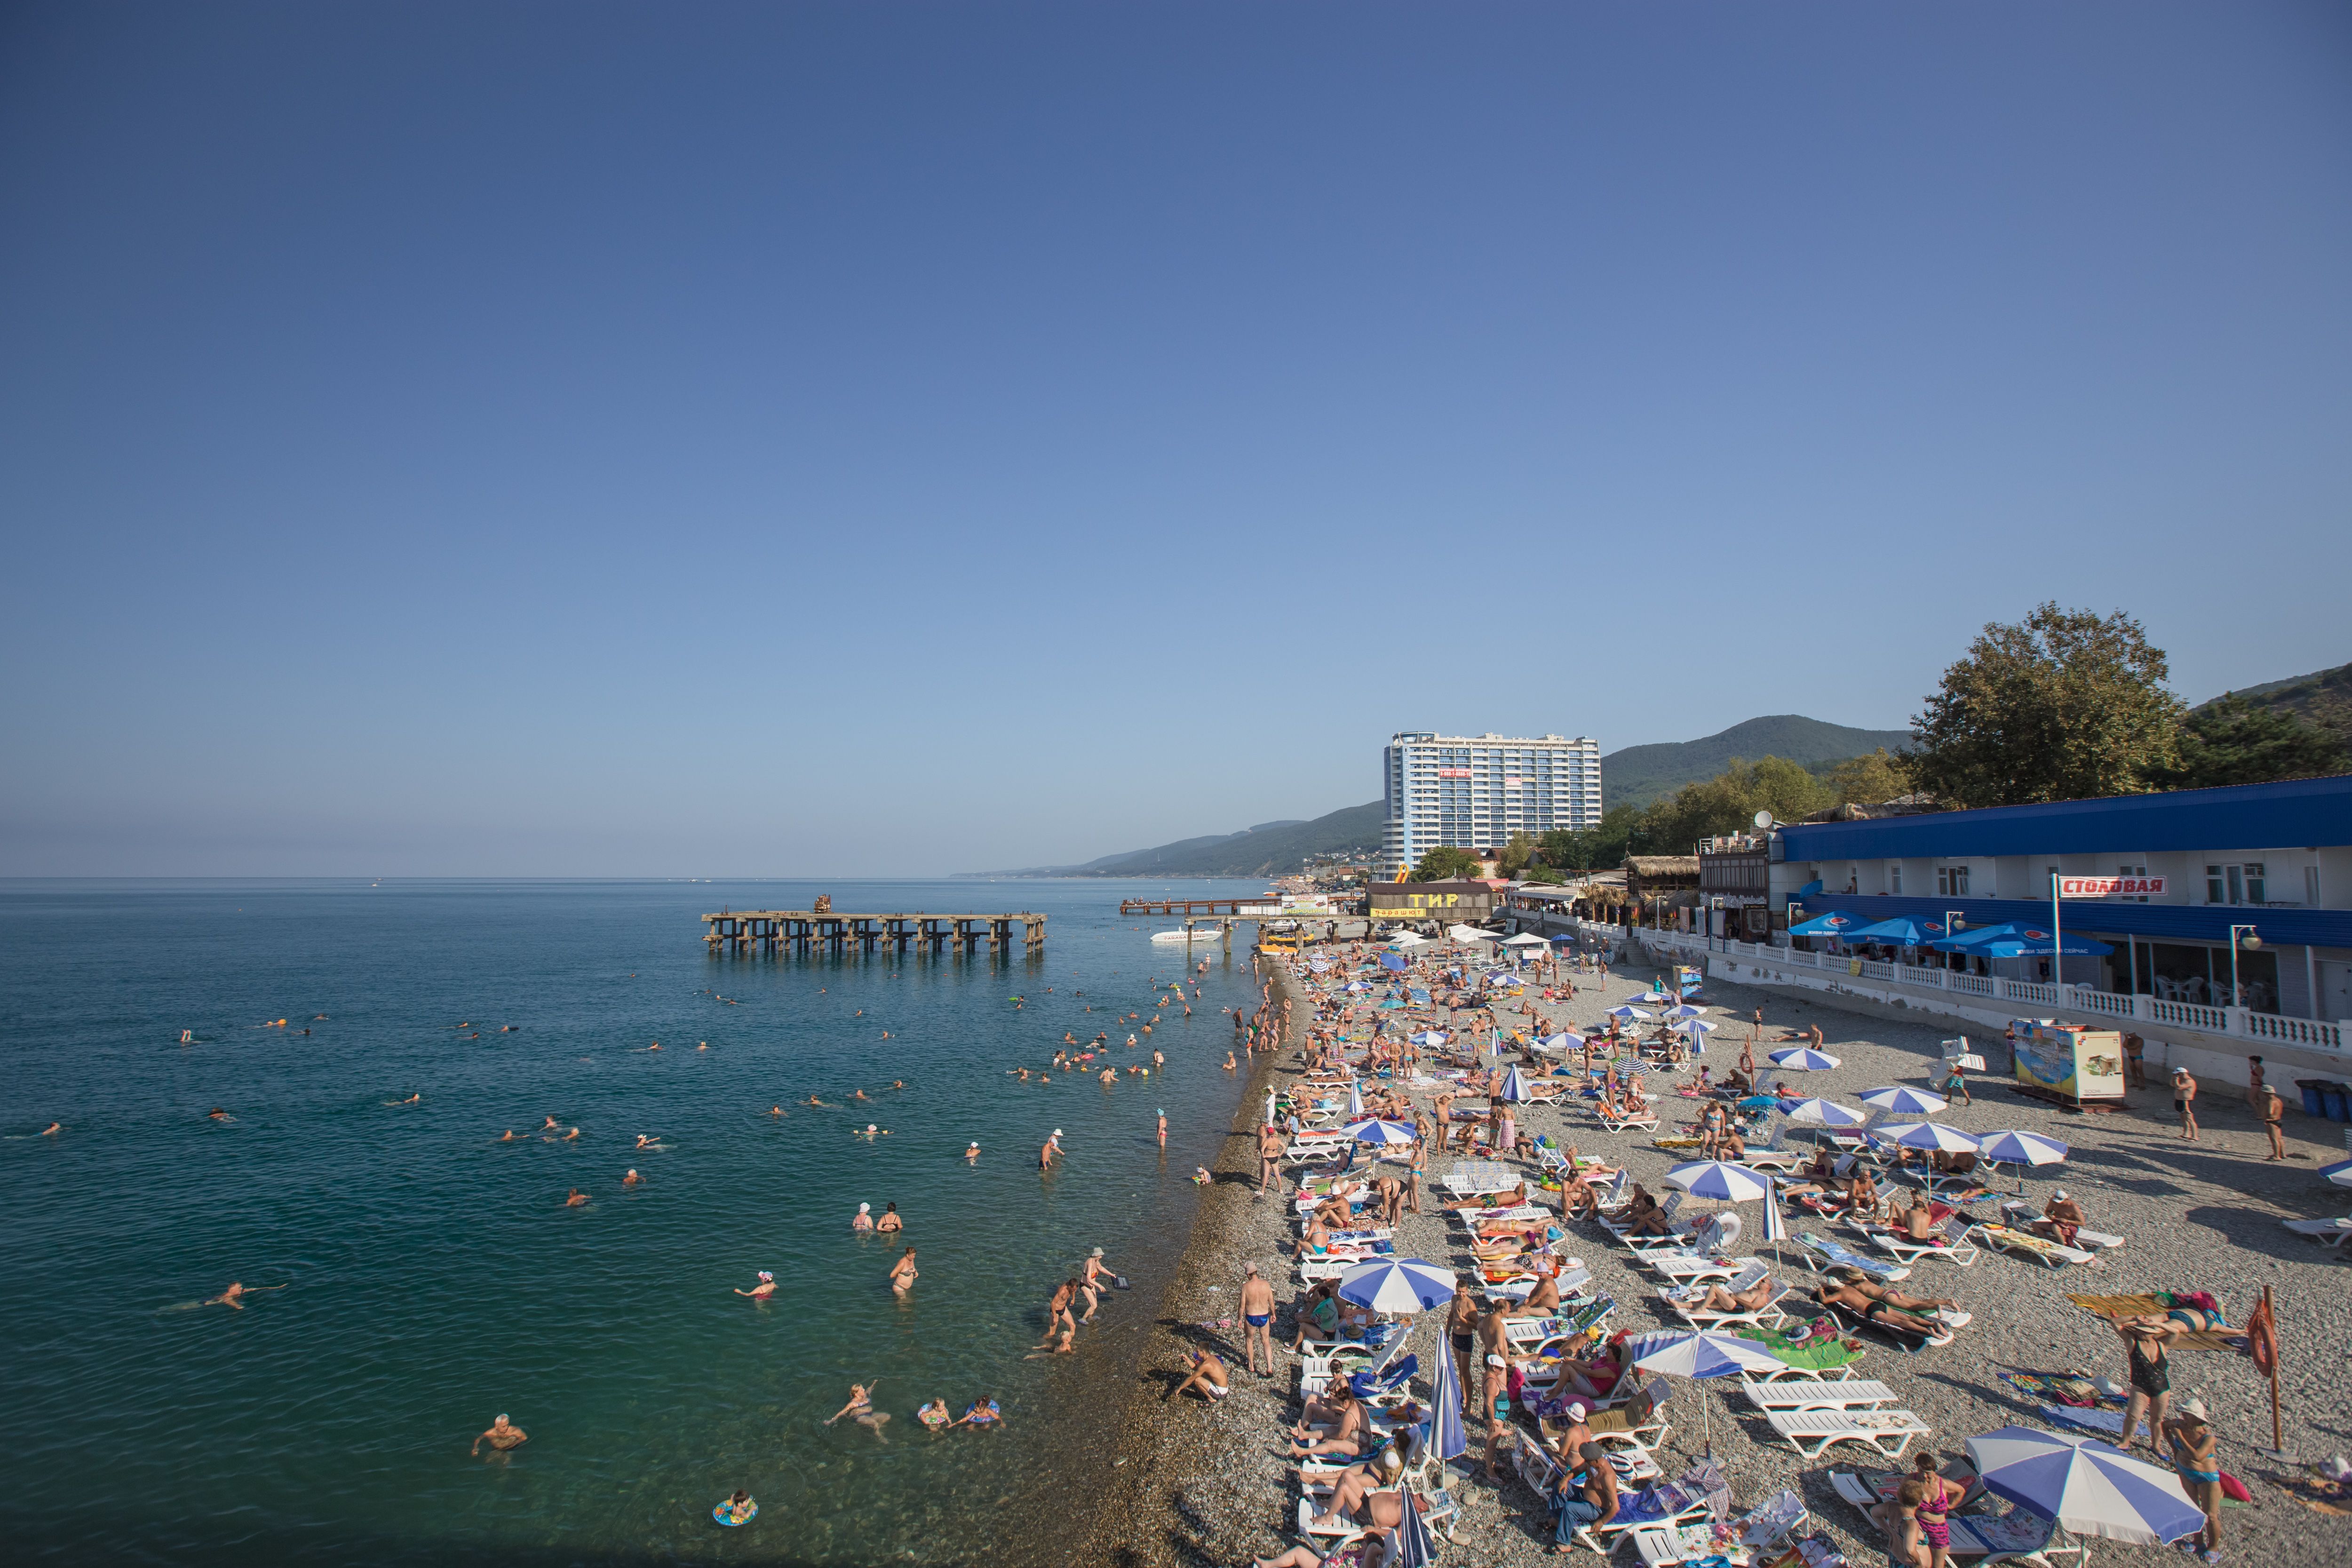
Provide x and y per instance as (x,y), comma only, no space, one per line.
(2072,1064)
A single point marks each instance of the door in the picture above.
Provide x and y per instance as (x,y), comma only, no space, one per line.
(2335,991)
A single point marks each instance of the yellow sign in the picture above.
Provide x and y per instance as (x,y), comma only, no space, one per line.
(1414,902)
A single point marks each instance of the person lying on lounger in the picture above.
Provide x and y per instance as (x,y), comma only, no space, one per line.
(1719,1299)
(1888,1294)
(1819,1176)
(1848,1298)
(1513,1199)
(1358,1482)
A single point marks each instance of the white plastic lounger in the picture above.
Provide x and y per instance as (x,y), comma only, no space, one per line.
(1817,1393)
(2088,1240)
(2017,1536)
(1811,1432)
(1952,1246)
(2327,1232)
(1702,1267)
(2042,1249)
(1830,1252)
(1768,1315)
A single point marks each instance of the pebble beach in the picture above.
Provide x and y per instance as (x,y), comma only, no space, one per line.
(1209,1484)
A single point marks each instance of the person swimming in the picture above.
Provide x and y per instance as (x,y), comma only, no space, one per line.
(935,1416)
(762,1291)
(217,1114)
(860,1409)
(576,1199)
(632,1179)
(982,1413)
(972,1153)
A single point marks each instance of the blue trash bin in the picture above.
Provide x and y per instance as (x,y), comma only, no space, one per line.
(2332,1097)
(2312,1104)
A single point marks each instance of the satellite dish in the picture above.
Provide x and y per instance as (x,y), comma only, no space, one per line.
(1763,819)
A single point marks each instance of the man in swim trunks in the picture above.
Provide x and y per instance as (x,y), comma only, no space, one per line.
(1872,1310)
(2184,1102)
(765,1289)
(1205,1373)
(502,1436)
(2192,1439)
(2061,1216)
(576,1199)
(2272,1109)
(1257,1318)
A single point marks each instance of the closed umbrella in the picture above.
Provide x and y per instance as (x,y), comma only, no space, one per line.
(1447,1438)
(1355,1098)
(1803,1059)
(1929,1135)
(1904,1101)
(1415,1548)
(1776,1225)
(1397,1286)
(1517,1088)
(2022,1149)
(1376,1130)
(1701,1355)
(1716,1179)
(2084,1485)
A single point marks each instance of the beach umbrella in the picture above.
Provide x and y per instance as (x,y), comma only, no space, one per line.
(1904,1101)
(1430,1038)
(1374,1130)
(1447,1438)
(1801,1059)
(1693,1026)
(1516,1087)
(1627,1011)
(2086,1487)
(1700,1355)
(1928,1135)
(1397,1285)
(1355,1098)
(1395,961)
(1776,1225)
(1413,1548)
(1716,1179)
(1760,1102)
(1684,1010)
(1525,939)
(1564,1038)
(1900,932)
(1836,924)
(1653,997)
(1826,1112)
(1357,987)
(2022,1149)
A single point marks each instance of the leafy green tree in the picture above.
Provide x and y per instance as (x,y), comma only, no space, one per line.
(1537,871)
(1869,780)
(1444,864)
(2065,705)
(1728,801)
(1584,848)
(2233,741)
(1515,854)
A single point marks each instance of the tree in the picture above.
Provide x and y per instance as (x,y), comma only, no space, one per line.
(2233,741)
(1444,864)
(1870,779)
(1537,871)
(2063,706)
(1728,801)
(1515,854)
(1583,848)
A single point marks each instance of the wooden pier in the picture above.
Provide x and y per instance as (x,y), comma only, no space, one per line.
(1187,906)
(811,931)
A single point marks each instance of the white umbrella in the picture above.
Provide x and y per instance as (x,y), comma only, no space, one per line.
(1684,1010)
(1776,1225)
(1516,1087)
(1904,1101)
(1407,939)
(1654,996)
(1628,1012)
(1374,1130)
(1525,940)
(1928,1135)
(1716,1179)
(1565,1037)
(1693,1026)
(1827,1112)
(1397,1286)
(1429,1037)
(1469,933)
(1801,1059)
(2084,1485)
(1355,1098)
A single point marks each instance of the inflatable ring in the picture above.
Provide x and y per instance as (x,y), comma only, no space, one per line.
(719,1516)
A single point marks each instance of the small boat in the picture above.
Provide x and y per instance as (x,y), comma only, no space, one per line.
(1198,934)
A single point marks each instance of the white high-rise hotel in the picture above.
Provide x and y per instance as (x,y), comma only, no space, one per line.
(1473,792)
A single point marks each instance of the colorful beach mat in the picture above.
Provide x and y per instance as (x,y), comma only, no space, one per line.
(2058,1387)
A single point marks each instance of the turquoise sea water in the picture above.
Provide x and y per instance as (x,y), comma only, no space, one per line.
(434,1277)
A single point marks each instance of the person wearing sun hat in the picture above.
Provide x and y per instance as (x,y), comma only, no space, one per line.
(2192,1439)
(864,1219)
(1051,1152)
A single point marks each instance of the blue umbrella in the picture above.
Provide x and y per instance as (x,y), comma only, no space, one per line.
(1413,1548)
(2339,1173)
(1430,1038)
(1375,1130)
(1627,1011)
(1801,1059)
(1684,1010)
(1565,1037)
(1929,1135)
(1837,922)
(1970,940)
(1715,1179)
(1904,1101)
(2084,1485)
(1900,932)
(1447,1439)
(2038,944)
(1760,1102)
(2022,1149)
(1515,1086)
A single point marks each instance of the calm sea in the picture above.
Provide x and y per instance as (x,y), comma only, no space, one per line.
(433,1276)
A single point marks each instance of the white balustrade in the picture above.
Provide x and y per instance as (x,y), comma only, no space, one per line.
(2189,1014)
(2032,991)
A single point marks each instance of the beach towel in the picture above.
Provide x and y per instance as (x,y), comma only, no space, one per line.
(2063,1388)
(2114,1306)
(2106,1423)
(1814,1353)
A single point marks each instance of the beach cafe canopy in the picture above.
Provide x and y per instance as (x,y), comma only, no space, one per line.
(1900,932)
(2032,943)
(1837,922)
(1975,937)
(2086,1487)
(1469,933)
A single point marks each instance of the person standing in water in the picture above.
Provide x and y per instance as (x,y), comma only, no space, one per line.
(1164,1127)
(903,1274)
(502,1436)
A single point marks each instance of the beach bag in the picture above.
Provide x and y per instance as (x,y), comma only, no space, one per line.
(1703,1481)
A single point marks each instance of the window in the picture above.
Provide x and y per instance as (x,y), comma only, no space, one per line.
(1894,878)
(2255,885)
(2310,886)
(1951,881)
(2244,884)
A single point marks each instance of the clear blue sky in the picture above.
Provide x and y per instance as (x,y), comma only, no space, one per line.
(588,439)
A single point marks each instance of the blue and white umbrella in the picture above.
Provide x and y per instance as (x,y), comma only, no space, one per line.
(1397,1286)
(1826,1112)
(2020,1148)
(1413,1548)
(1447,1438)
(1716,1179)
(1627,1011)
(1564,1038)
(1654,996)
(2339,1173)
(1684,1010)
(1430,1038)
(1375,1130)
(1355,1098)
(1776,1224)
(1904,1101)
(1693,1026)
(1701,1355)
(1803,1059)
(2084,1485)
(1928,1135)
(1516,1087)
(1357,987)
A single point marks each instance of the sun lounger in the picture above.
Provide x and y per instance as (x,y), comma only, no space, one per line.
(1698,1317)
(1660,1545)
(1641,1117)
(2329,1232)
(1761,1527)
(1476,1177)
(2088,1239)
(1831,1253)
(1811,1431)
(1854,1323)
(1781,1161)
(1603,1535)
(1951,1244)
(1816,1393)
(2042,1249)
(2016,1536)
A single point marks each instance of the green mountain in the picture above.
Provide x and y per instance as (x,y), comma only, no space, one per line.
(1637,775)
(1269,849)
(2323,698)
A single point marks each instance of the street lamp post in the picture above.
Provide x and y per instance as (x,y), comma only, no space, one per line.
(2237,996)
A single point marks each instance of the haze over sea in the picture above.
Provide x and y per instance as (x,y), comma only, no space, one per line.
(434,1277)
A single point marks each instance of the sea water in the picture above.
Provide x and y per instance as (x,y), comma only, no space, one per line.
(434,1277)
